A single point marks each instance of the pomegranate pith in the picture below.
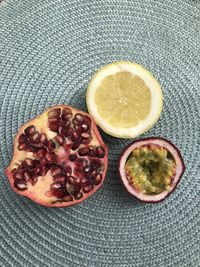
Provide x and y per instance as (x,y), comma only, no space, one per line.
(59,158)
(151,168)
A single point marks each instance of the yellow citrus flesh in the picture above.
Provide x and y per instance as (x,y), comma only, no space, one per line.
(124,99)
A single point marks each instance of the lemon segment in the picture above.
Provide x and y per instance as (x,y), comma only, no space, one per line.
(124,99)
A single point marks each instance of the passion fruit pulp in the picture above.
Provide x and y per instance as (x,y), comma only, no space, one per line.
(151,168)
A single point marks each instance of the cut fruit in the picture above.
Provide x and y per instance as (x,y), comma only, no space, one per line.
(151,168)
(59,158)
(124,99)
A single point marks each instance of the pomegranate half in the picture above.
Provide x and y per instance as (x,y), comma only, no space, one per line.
(59,158)
(151,168)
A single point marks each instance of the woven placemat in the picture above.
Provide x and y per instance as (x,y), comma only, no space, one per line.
(49,50)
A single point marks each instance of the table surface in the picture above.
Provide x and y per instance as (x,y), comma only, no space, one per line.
(49,49)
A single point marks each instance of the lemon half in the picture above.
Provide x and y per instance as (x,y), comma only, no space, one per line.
(124,99)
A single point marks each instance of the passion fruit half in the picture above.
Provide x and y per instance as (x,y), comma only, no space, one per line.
(151,168)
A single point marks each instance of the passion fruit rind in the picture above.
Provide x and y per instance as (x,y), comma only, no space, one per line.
(151,168)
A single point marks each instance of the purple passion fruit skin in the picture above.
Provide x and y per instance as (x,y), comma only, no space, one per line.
(151,168)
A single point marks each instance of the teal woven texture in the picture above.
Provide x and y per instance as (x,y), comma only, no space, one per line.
(49,49)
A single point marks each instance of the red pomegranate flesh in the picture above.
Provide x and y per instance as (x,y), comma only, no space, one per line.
(59,158)
(151,168)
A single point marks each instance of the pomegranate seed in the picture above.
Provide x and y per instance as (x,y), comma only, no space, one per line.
(78,196)
(72,180)
(63,130)
(40,171)
(84,181)
(87,120)
(75,136)
(54,113)
(68,171)
(29,163)
(79,172)
(22,139)
(85,127)
(51,157)
(87,168)
(67,131)
(98,179)
(17,175)
(54,127)
(92,151)
(72,157)
(51,145)
(36,162)
(65,117)
(22,146)
(79,162)
(59,193)
(20,185)
(43,161)
(85,135)
(27,175)
(42,137)
(66,114)
(55,171)
(20,167)
(67,123)
(40,153)
(60,139)
(86,141)
(87,188)
(55,120)
(60,179)
(43,171)
(55,186)
(95,164)
(35,136)
(75,122)
(68,198)
(37,170)
(83,151)
(29,130)
(79,117)
(94,174)
(100,152)
(30,148)
(75,145)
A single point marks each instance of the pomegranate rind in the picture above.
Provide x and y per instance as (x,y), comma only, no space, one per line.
(180,168)
(36,198)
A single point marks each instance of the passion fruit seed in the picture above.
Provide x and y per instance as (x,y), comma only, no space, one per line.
(150,170)
(73,169)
